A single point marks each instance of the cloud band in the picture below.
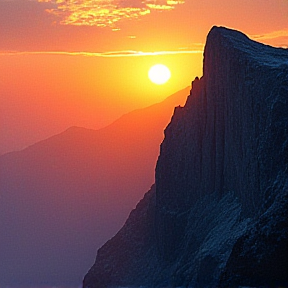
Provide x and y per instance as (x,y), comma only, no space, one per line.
(105,13)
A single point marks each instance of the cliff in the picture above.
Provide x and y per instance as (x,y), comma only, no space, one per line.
(219,214)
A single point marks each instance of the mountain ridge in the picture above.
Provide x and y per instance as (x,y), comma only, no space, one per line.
(173,99)
(74,184)
(221,172)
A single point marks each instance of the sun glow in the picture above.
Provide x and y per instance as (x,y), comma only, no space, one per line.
(159,74)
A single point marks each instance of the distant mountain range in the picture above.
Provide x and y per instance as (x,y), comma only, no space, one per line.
(63,197)
(217,215)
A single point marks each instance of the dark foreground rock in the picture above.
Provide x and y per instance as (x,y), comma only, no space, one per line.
(218,217)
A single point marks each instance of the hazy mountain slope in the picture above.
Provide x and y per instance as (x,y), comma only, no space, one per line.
(63,197)
(219,210)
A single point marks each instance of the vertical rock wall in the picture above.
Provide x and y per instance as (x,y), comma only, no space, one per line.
(226,138)
(219,213)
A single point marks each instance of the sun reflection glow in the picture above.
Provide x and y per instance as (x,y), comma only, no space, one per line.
(105,13)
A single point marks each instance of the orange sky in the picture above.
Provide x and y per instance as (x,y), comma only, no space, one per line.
(85,62)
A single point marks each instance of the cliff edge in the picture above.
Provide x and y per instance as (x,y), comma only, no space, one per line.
(217,215)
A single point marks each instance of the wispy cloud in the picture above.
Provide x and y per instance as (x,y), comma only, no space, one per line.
(105,13)
(125,53)
(270,35)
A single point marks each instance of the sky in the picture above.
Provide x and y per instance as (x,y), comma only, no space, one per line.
(85,62)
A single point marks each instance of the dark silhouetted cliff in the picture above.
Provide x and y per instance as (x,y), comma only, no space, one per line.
(219,214)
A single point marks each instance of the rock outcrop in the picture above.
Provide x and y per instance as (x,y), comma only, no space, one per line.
(219,214)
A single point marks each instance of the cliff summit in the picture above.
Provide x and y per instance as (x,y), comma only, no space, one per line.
(217,214)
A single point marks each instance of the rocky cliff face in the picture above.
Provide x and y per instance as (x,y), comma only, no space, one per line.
(219,217)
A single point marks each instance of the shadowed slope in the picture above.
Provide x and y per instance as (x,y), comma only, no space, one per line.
(63,197)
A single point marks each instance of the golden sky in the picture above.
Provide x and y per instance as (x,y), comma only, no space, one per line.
(85,62)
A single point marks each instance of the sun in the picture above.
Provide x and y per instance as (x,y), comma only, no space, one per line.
(159,74)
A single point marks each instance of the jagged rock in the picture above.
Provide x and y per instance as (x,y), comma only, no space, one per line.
(221,180)
(259,257)
(118,261)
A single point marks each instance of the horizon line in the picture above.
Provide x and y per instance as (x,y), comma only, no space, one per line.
(111,54)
